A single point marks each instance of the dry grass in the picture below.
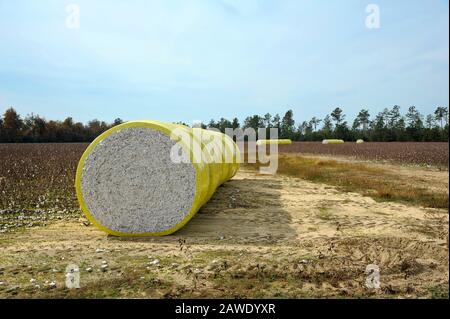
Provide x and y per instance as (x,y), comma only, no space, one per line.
(375,182)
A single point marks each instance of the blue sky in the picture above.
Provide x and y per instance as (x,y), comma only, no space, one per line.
(198,59)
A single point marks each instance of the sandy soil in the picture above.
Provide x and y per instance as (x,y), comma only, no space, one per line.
(260,236)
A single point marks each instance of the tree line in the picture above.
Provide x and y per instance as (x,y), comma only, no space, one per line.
(387,126)
(36,129)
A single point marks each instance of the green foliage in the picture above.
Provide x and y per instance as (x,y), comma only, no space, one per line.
(287,125)
(253,122)
(388,125)
(11,126)
(36,129)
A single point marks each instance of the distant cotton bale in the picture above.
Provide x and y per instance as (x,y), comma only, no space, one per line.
(333,141)
(280,142)
(359,141)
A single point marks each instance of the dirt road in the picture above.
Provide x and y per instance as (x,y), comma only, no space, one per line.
(260,236)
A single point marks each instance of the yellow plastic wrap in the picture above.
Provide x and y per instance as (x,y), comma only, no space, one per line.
(210,172)
(279,142)
(333,141)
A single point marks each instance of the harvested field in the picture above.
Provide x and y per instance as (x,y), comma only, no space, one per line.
(426,153)
(260,236)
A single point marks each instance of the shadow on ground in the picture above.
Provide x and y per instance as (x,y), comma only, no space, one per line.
(242,211)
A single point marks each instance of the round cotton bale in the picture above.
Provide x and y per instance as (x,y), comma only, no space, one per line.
(149,178)
(333,141)
(284,141)
(360,141)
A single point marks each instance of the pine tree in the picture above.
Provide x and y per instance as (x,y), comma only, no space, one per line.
(287,125)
